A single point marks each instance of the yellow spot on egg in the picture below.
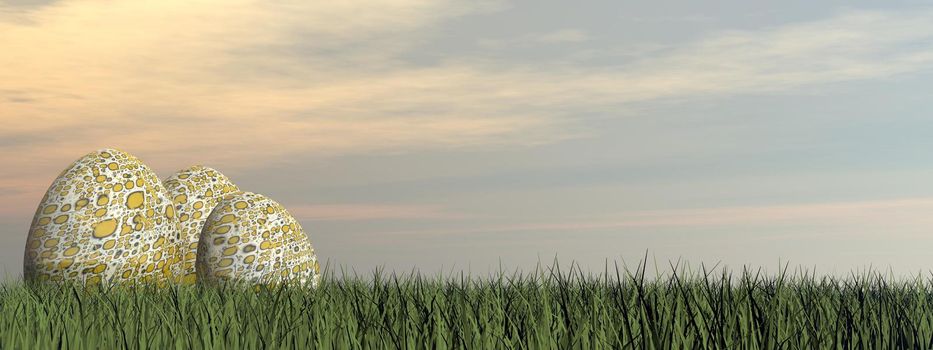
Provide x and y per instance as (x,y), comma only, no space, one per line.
(225,262)
(227,218)
(118,187)
(71,251)
(134,200)
(249,259)
(218,241)
(127,273)
(233,240)
(100,212)
(150,213)
(103,200)
(222,229)
(158,243)
(66,207)
(169,211)
(139,182)
(112,166)
(50,209)
(209,194)
(183,217)
(81,203)
(45,220)
(181,199)
(240,205)
(270,210)
(105,228)
(265,245)
(105,155)
(64,264)
(109,244)
(229,251)
(61,219)
(286,228)
(101,178)
(100,268)
(129,185)
(198,205)
(197,215)
(51,242)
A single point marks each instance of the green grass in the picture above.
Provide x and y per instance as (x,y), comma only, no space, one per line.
(545,309)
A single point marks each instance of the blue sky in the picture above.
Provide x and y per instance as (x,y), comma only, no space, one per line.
(455,135)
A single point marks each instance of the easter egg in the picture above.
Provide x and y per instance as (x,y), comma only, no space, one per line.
(195,191)
(106,218)
(252,238)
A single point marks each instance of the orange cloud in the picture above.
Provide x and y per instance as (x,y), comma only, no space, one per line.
(178,83)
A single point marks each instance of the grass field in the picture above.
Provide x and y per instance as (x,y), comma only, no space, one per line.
(545,309)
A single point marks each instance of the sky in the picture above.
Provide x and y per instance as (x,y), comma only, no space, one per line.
(441,136)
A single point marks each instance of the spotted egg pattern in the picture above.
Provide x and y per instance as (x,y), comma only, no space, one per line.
(195,191)
(105,218)
(252,238)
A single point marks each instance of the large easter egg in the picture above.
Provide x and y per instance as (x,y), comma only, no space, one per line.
(252,238)
(106,218)
(195,192)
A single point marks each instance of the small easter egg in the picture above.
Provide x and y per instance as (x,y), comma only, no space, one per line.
(253,238)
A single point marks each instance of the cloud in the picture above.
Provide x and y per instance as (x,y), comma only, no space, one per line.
(178,83)
(569,35)
(676,18)
(564,36)
(358,212)
(912,213)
